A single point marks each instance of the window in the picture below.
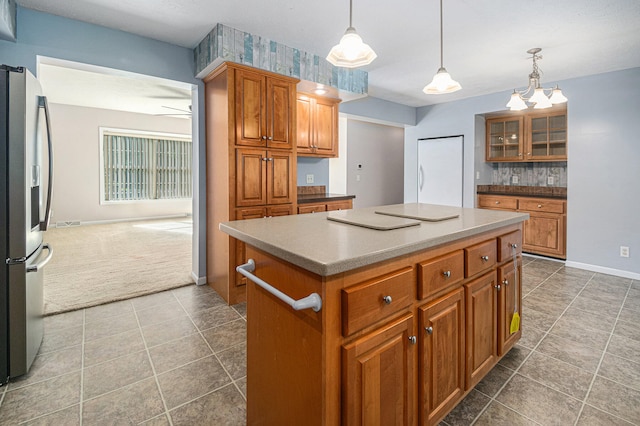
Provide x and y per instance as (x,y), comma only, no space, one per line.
(145,166)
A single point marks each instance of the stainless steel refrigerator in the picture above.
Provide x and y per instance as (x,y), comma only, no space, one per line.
(26,179)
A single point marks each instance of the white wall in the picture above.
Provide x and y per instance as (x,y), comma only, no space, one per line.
(379,149)
(76,188)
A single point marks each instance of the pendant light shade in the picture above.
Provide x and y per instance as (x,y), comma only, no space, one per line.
(442,81)
(351,52)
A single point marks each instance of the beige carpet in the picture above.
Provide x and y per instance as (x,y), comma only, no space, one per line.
(96,264)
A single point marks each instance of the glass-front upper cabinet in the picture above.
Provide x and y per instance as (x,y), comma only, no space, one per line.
(504,139)
(531,136)
(547,136)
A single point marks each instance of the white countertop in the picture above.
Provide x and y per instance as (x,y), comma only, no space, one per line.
(326,247)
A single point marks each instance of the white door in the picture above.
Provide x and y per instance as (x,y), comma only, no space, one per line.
(440,170)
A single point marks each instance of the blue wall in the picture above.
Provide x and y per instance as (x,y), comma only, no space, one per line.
(603,173)
(318,167)
(41,34)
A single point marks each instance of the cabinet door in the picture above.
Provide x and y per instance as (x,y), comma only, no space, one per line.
(280,185)
(442,356)
(378,376)
(504,139)
(481,300)
(250,108)
(325,127)
(238,247)
(509,299)
(303,124)
(544,234)
(250,177)
(279,113)
(547,136)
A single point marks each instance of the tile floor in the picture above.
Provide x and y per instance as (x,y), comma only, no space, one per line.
(178,357)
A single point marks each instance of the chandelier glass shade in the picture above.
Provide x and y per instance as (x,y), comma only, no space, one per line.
(351,52)
(442,81)
(534,94)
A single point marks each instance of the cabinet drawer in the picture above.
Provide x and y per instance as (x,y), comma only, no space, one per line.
(494,202)
(479,258)
(312,208)
(371,301)
(539,205)
(339,205)
(440,273)
(505,242)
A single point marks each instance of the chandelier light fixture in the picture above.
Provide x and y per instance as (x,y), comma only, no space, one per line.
(534,94)
(351,52)
(442,81)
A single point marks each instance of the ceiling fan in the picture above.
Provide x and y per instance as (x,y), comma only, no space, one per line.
(182,111)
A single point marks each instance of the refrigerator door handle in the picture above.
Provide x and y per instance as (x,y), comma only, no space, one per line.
(420,178)
(40,265)
(42,103)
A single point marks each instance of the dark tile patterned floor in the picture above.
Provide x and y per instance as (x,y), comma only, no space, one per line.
(178,358)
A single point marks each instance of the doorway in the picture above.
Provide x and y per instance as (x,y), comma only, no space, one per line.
(87,226)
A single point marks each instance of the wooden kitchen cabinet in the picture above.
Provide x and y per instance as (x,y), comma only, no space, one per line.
(442,356)
(509,298)
(317,125)
(251,161)
(481,327)
(378,376)
(367,359)
(504,138)
(264,110)
(545,231)
(529,137)
(264,177)
(326,206)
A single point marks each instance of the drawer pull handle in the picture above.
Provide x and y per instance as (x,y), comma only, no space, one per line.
(313,301)
(505,281)
(446,274)
(387,299)
(429,330)
(413,340)
(497,287)
(484,258)
(539,206)
(514,245)
(264,137)
(497,202)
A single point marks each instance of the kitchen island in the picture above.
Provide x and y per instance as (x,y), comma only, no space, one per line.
(394,326)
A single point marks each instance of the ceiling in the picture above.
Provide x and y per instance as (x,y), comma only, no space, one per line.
(485,41)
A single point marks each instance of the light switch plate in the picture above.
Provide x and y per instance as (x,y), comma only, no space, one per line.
(550,180)
(309,178)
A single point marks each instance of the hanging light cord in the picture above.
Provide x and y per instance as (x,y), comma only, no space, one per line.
(350,12)
(441,59)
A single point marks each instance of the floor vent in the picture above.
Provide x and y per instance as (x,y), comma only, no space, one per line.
(67,224)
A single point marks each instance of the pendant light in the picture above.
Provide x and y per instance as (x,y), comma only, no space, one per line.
(351,52)
(442,81)
(538,98)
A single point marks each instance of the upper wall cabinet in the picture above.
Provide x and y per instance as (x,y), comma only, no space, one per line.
(536,136)
(317,126)
(264,110)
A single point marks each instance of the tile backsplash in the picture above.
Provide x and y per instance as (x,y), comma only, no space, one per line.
(530,174)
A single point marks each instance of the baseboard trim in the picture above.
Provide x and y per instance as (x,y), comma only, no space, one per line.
(198,280)
(65,224)
(603,270)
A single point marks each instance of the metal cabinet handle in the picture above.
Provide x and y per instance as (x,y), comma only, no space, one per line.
(264,137)
(498,287)
(514,245)
(270,138)
(484,258)
(539,206)
(387,299)
(429,330)
(505,281)
(446,274)
(413,340)
(497,202)
(313,301)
